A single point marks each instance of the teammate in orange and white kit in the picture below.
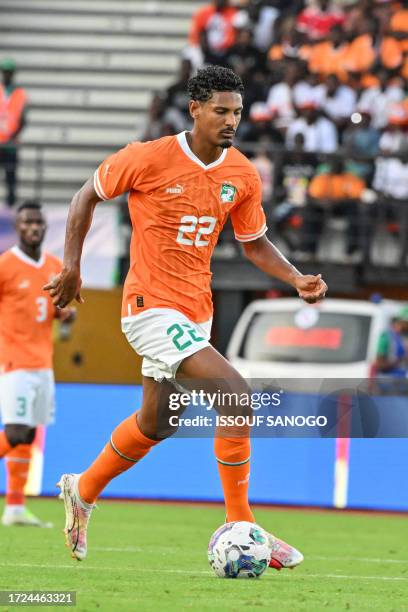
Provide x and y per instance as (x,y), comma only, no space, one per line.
(182,189)
(26,346)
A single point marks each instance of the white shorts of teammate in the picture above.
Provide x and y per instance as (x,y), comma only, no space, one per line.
(27,397)
(164,337)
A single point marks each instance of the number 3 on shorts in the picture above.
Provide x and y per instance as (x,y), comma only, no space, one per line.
(22,406)
(180,332)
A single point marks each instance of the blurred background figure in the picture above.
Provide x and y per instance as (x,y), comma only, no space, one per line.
(260,18)
(212,31)
(319,18)
(296,170)
(177,97)
(13,104)
(392,349)
(333,193)
(161,120)
(391,179)
(338,101)
(319,133)
(27,390)
(361,141)
(380,97)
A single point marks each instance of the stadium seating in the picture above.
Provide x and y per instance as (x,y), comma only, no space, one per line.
(89,69)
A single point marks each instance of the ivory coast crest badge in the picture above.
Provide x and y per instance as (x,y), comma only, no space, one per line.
(227,193)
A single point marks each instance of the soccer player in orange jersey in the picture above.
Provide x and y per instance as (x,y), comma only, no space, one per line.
(26,376)
(182,189)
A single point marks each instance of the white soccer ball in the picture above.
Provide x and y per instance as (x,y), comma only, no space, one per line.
(239,550)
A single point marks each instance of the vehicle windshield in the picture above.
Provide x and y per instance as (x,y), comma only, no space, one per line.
(306,336)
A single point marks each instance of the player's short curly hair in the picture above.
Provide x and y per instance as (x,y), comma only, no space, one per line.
(213,78)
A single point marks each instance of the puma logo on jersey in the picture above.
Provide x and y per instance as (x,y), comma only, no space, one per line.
(176,189)
(24,284)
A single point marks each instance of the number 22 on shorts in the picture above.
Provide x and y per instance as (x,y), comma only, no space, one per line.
(180,332)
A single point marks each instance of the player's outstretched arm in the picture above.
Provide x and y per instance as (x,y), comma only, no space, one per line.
(67,285)
(265,256)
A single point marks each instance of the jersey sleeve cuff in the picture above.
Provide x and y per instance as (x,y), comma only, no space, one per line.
(98,186)
(250,237)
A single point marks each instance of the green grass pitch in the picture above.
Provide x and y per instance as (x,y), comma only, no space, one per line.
(149,557)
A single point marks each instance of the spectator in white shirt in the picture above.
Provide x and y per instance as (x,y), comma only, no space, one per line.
(308,90)
(379,100)
(289,93)
(391,184)
(281,97)
(339,101)
(261,19)
(319,133)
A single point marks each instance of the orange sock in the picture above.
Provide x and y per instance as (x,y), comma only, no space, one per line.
(126,447)
(233,455)
(5,445)
(17,465)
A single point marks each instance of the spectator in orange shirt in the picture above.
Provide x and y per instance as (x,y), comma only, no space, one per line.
(391,52)
(399,22)
(13,103)
(404,67)
(327,57)
(289,45)
(335,193)
(212,28)
(361,52)
(399,26)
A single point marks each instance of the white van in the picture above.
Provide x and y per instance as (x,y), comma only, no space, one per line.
(287,338)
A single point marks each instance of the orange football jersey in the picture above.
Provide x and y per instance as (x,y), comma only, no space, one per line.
(26,311)
(178,207)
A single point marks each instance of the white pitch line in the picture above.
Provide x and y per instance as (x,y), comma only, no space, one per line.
(165,549)
(128,549)
(75,565)
(346,577)
(291,576)
(358,559)
(161,549)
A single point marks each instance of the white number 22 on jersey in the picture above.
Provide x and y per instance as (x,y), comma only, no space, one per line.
(206,226)
(42,306)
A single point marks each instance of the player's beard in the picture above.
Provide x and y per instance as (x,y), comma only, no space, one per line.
(226,144)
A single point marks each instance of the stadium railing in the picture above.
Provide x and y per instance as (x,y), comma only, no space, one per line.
(52,172)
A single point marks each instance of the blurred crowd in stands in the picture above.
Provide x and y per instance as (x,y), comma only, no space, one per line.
(326,111)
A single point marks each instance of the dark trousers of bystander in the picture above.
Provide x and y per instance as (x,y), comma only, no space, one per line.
(8,161)
(316,215)
(392,213)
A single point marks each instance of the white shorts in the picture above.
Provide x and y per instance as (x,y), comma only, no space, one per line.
(164,337)
(27,397)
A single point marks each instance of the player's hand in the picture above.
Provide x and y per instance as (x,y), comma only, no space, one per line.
(65,287)
(310,288)
(66,315)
